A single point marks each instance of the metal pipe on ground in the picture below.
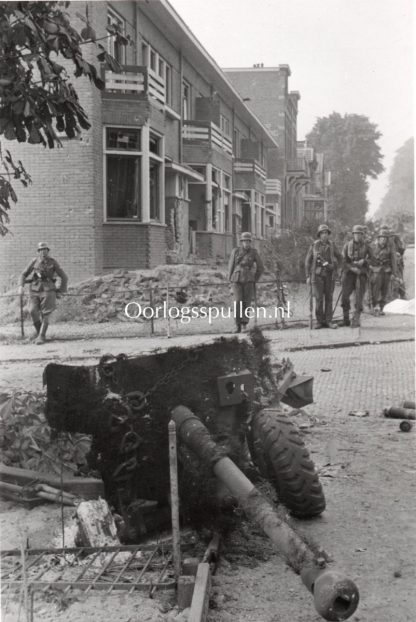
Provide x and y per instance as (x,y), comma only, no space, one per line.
(335,596)
(395,412)
(408,404)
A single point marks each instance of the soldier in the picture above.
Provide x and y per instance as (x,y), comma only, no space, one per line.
(40,273)
(384,265)
(244,270)
(399,248)
(357,255)
(321,265)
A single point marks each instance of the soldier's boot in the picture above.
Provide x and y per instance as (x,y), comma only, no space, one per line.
(355,323)
(37,326)
(42,334)
(238,328)
(346,320)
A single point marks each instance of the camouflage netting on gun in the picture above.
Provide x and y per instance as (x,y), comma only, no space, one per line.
(125,404)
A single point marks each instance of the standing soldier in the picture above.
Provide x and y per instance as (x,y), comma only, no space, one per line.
(321,265)
(383,266)
(244,270)
(357,255)
(41,273)
(399,248)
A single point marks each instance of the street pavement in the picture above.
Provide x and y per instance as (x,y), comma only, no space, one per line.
(22,364)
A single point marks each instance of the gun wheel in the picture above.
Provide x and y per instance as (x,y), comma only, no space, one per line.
(280,454)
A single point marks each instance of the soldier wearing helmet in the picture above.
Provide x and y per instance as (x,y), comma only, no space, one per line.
(321,266)
(244,270)
(383,267)
(41,273)
(357,256)
(399,248)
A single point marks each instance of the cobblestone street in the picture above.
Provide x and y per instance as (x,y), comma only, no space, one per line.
(367,469)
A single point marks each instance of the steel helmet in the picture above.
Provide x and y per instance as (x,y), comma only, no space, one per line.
(322,228)
(246,236)
(357,229)
(42,246)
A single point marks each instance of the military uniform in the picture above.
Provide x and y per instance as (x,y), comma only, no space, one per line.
(321,265)
(383,266)
(41,273)
(244,270)
(357,256)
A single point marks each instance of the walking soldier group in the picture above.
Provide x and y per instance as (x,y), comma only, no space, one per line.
(363,266)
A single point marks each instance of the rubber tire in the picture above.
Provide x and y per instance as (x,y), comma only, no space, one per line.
(281,456)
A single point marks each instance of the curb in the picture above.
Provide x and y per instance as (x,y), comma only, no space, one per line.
(346,344)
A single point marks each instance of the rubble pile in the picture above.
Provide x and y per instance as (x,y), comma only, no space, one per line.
(28,442)
(103,298)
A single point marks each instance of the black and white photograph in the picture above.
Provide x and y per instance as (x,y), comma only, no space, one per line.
(207,311)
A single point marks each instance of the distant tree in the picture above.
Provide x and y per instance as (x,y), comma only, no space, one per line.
(400,195)
(352,155)
(36,97)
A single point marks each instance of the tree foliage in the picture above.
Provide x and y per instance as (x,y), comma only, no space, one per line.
(400,195)
(352,155)
(37,99)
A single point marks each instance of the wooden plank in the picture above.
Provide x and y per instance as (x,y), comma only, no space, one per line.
(85,487)
(200,600)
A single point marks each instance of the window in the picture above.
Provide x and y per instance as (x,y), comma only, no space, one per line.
(152,59)
(154,144)
(154,190)
(237,143)
(126,152)
(262,158)
(168,84)
(123,173)
(117,50)
(145,54)
(227,202)
(186,100)
(225,125)
(155,175)
(122,139)
(152,63)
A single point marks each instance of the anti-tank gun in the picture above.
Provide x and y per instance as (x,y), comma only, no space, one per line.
(225,398)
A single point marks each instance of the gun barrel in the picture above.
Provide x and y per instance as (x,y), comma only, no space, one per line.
(335,596)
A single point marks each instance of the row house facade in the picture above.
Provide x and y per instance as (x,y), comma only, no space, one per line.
(175,163)
(315,192)
(266,90)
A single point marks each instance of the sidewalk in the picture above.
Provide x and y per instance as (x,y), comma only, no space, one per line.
(373,330)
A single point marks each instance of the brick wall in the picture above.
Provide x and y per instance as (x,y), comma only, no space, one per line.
(63,206)
(133,246)
(123,111)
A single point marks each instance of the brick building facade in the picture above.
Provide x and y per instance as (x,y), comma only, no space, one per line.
(268,96)
(175,164)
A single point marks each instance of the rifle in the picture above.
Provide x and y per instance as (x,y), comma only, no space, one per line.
(311,304)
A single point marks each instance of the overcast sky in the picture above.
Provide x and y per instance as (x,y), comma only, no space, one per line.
(348,56)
